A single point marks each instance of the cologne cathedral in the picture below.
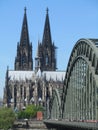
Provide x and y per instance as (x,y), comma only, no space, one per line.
(25,85)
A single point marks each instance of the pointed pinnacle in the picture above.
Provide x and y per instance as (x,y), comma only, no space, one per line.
(47,10)
(25,9)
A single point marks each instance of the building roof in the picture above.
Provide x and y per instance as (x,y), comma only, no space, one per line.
(54,75)
(49,75)
(20,75)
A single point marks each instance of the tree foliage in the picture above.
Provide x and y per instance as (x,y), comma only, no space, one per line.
(29,112)
(7,118)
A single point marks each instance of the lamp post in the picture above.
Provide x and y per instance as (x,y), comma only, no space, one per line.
(32,100)
(12,101)
(25,101)
(24,106)
(40,100)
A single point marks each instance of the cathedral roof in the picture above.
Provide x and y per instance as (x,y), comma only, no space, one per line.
(54,75)
(20,75)
(28,75)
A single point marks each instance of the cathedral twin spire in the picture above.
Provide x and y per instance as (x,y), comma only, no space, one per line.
(23,60)
(47,33)
(46,55)
(45,59)
(24,32)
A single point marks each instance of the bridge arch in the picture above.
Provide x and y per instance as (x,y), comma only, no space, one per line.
(55,104)
(80,91)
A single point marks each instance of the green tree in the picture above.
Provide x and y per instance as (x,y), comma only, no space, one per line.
(7,118)
(29,112)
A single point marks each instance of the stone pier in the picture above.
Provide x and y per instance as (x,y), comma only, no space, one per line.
(29,125)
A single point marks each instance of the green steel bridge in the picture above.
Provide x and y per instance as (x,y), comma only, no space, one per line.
(77,103)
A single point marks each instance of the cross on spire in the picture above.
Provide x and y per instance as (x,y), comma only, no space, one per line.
(25,9)
(47,10)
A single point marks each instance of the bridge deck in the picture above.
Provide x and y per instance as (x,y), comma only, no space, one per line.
(70,124)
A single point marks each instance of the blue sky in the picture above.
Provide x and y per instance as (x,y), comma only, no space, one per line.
(70,20)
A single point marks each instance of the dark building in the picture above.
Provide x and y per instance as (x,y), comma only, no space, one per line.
(46,53)
(23,60)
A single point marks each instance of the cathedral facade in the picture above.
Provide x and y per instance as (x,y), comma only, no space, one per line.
(23,85)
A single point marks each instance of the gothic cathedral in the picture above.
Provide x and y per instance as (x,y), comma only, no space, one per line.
(25,85)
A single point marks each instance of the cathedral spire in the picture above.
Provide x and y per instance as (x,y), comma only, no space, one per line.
(47,33)
(46,49)
(23,60)
(24,39)
(38,58)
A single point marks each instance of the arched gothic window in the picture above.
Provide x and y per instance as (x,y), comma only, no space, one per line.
(23,59)
(39,91)
(21,91)
(25,96)
(47,59)
(15,95)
